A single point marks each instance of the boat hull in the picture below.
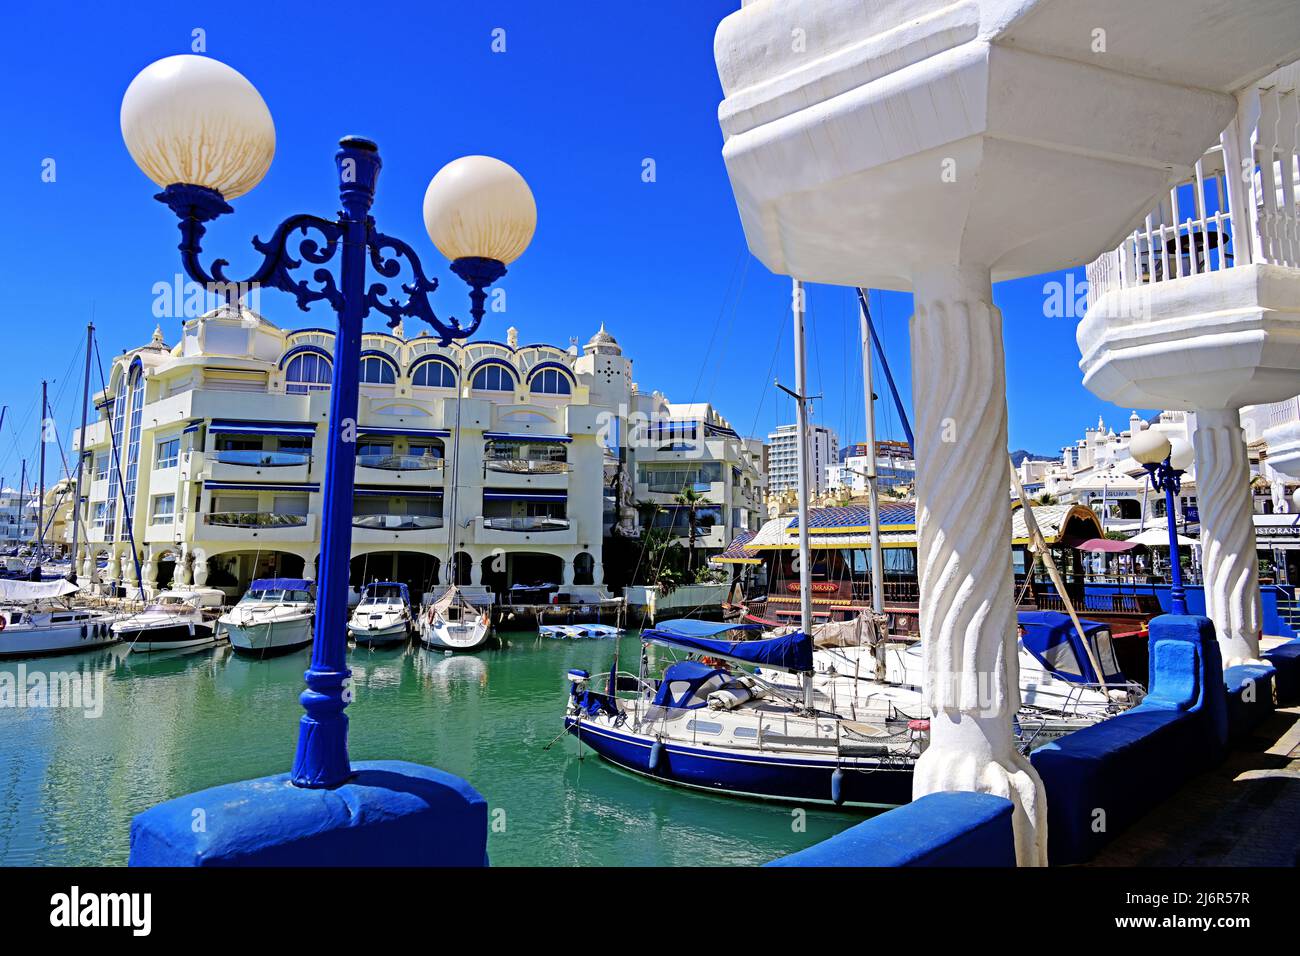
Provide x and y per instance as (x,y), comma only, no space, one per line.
(168,637)
(393,634)
(455,637)
(266,639)
(865,783)
(47,642)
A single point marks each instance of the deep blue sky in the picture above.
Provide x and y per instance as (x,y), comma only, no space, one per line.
(583,94)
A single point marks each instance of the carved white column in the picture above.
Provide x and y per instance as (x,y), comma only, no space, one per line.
(183,563)
(200,567)
(968,623)
(1231,570)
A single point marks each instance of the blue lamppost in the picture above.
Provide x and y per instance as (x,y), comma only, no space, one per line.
(200,130)
(1165,461)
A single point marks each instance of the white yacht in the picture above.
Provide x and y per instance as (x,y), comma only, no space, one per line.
(383,615)
(275,616)
(453,624)
(177,619)
(34,621)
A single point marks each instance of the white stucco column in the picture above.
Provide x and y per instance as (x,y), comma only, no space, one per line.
(475,572)
(968,623)
(566,573)
(1231,571)
(200,567)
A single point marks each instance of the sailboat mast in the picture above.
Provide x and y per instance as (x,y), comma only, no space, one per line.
(801,459)
(873,496)
(22,501)
(455,477)
(81,454)
(40,491)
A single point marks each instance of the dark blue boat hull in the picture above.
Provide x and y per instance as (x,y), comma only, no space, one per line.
(863,782)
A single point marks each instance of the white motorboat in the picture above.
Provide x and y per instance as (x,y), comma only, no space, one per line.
(177,619)
(275,616)
(35,622)
(453,624)
(383,615)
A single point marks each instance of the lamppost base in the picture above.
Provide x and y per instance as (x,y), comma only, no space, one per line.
(391,813)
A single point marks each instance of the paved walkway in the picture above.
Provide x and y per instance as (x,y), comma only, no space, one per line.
(1246,812)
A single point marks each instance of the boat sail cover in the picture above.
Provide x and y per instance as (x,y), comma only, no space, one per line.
(24,592)
(790,652)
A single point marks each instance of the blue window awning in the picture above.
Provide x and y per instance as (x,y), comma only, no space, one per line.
(193,426)
(411,432)
(398,492)
(512,436)
(232,426)
(266,486)
(501,495)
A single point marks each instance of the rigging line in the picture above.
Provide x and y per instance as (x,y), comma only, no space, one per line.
(121,480)
(731,325)
(741,258)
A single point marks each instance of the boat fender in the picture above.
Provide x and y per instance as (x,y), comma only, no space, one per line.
(656,749)
(3,622)
(837,786)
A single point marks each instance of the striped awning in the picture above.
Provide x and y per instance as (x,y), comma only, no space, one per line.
(264,486)
(231,426)
(737,553)
(525,496)
(410,432)
(511,436)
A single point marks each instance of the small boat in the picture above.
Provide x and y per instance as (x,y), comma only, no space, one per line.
(709,725)
(275,616)
(453,624)
(34,622)
(383,615)
(574,631)
(177,619)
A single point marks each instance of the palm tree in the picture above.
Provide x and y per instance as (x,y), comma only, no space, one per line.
(691,500)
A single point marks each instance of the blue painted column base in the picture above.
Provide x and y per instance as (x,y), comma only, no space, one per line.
(390,813)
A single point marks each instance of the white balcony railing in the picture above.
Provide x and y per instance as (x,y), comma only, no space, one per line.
(1256,217)
(530,523)
(254,519)
(397,522)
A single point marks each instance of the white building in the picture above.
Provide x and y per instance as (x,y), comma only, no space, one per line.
(782,458)
(895,471)
(679,448)
(222,441)
(17,520)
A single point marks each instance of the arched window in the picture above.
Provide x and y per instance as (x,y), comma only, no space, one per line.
(377,370)
(493,378)
(308,372)
(434,373)
(550,381)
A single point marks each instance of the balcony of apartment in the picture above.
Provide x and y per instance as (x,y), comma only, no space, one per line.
(269,527)
(514,517)
(253,464)
(384,515)
(520,461)
(1219,255)
(390,468)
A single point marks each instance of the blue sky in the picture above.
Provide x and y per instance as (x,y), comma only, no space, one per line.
(585,92)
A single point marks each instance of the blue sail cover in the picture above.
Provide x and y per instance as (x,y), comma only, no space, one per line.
(280,584)
(387,589)
(794,652)
(1051,637)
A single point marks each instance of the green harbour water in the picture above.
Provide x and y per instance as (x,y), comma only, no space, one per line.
(175,723)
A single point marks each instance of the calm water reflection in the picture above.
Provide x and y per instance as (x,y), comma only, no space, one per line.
(175,723)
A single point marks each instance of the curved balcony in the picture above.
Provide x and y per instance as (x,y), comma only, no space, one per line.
(400,462)
(262,459)
(527,466)
(530,523)
(254,519)
(397,522)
